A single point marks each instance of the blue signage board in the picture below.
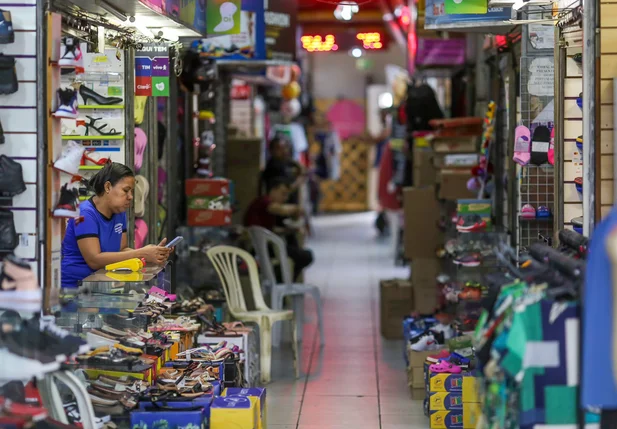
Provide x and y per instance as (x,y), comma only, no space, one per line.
(435,17)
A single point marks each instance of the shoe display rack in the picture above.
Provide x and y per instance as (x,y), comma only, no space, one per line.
(21,83)
(90,121)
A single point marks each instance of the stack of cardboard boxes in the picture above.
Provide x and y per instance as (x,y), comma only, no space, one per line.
(396,302)
(208,201)
(454,400)
(416,373)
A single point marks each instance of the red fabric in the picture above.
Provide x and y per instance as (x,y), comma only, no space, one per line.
(388,201)
(258,215)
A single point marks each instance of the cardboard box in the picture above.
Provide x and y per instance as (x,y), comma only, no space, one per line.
(424,172)
(455,160)
(172,419)
(454,184)
(238,412)
(445,401)
(208,217)
(422,211)
(424,272)
(466,144)
(259,393)
(465,418)
(465,383)
(425,299)
(418,394)
(396,302)
(208,203)
(206,187)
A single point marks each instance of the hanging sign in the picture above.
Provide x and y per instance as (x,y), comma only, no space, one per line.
(248,44)
(465,7)
(437,18)
(281,26)
(152,70)
(223,17)
(440,52)
(190,13)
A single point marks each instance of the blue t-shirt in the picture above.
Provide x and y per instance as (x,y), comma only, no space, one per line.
(94,224)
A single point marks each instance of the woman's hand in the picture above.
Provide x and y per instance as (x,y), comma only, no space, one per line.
(156,254)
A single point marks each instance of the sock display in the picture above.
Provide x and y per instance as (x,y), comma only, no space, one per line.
(540,145)
(522,145)
(551,148)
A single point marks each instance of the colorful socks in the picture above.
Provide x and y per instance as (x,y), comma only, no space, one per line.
(522,145)
(551,148)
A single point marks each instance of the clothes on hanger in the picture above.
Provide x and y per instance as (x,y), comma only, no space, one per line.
(388,192)
(421,107)
(327,163)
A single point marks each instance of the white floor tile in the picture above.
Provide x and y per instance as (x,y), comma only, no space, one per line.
(339,386)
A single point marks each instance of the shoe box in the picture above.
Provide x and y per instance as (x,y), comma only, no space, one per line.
(416,374)
(396,302)
(201,194)
(454,400)
(465,418)
(238,412)
(167,418)
(207,187)
(259,395)
(164,410)
(453,183)
(474,207)
(421,210)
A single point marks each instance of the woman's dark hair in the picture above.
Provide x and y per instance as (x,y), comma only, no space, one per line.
(277,182)
(112,172)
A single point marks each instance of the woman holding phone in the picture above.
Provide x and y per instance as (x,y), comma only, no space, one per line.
(98,238)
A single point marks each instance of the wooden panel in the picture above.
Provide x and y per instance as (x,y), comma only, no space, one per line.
(606,191)
(573,86)
(571,109)
(573,69)
(608,40)
(606,167)
(569,148)
(606,141)
(606,89)
(570,194)
(605,210)
(606,117)
(608,12)
(571,171)
(572,129)
(571,211)
(608,66)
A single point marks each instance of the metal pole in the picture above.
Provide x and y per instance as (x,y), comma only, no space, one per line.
(591,55)
(151,169)
(221,112)
(129,129)
(560,62)
(42,147)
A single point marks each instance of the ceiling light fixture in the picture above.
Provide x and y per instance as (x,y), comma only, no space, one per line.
(141,26)
(356,52)
(111,9)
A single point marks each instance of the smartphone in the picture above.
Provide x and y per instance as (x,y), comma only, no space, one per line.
(175,241)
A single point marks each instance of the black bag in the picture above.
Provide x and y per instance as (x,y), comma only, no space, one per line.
(8,235)
(8,75)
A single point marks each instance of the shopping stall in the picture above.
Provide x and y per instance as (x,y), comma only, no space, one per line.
(498,327)
(100,100)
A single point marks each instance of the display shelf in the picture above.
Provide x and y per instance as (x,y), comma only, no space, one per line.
(101,138)
(535,219)
(92,107)
(147,274)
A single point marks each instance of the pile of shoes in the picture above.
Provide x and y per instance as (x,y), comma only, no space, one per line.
(426,333)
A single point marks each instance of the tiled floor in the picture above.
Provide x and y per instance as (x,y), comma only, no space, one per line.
(357,380)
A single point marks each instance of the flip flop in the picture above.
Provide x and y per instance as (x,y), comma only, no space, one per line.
(142,189)
(141,141)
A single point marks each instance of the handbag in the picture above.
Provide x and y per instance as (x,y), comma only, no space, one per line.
(8,235)
(8,75)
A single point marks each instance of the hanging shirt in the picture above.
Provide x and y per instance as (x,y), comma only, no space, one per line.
(599,388)
(94,224)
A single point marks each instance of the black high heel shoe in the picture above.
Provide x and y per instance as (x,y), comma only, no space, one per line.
(88,94)
(100,129)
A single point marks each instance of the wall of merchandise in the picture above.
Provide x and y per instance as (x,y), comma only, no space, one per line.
(19,125)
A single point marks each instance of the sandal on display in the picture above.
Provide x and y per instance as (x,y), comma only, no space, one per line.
(101,129)
(445,367)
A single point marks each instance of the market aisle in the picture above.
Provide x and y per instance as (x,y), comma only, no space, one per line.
(358,380)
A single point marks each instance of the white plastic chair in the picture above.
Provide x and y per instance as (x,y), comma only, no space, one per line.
(225,260)
(261,237)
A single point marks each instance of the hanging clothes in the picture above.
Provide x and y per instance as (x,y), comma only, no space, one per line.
(599,338)
(327,162)
(388,193)
(296,134)
(421,107)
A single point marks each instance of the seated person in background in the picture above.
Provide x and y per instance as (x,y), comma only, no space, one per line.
(282,165)
(263,211)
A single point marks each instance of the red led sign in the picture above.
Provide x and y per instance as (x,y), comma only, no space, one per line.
(370,40)
(318,43)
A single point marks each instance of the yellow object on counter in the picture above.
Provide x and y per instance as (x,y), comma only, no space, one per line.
(134,264)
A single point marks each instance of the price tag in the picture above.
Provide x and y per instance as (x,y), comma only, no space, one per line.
(539,146)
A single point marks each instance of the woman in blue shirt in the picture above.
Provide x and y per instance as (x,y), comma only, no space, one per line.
(99,237)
